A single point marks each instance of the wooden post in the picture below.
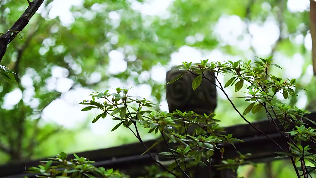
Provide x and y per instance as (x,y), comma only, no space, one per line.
(181,96)
(312,17)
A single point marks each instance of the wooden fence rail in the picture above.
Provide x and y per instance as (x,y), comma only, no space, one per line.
(128,157)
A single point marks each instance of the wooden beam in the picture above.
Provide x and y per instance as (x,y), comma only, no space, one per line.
(128,157)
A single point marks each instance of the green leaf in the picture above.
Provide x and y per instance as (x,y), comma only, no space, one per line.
(109,171)
(96,104)
(115,111)
(177,78)
(276,65)
(103,115)
(291,91)
(239,85)
(187,65)
(235,64)
(123,112)
(63,155)
(197,82)
(197,157)
(156,130)
(117,126)
(230,81)
(151,130)
(42,167)
(256,108)
(274,89)
(97,118)
(34,169)
(285,94)
(172,166)
(88,108)
(249,108)
(152,146)
(139,116)
(8,75)
(47,165)
(166,153)
(204,62)
(187,149)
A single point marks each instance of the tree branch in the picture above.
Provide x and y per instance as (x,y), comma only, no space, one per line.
(18,26)
(312,16)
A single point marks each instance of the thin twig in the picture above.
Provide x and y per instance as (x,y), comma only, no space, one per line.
(305,174)
(303,168)
(141,141)
(295,168)
(174,157)
(235,108)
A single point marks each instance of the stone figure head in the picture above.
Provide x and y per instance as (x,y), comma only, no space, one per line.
(181,96)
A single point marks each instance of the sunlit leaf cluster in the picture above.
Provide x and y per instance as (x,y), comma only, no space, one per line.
(79,167)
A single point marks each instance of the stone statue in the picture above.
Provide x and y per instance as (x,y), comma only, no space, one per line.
(181,96)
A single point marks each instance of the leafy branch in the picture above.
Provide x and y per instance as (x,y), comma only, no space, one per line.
(185,147)
(260,92)
(60,166)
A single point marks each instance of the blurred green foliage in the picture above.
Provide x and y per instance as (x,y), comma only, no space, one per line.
(82,47)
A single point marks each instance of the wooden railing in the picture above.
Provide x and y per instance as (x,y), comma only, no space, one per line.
(128,157)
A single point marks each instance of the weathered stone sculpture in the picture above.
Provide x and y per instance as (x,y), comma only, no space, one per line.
(181,96)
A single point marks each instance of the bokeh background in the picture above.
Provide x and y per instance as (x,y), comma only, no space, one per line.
(74,47)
